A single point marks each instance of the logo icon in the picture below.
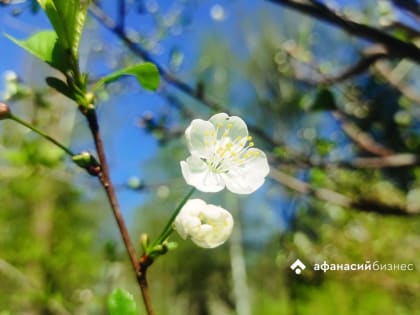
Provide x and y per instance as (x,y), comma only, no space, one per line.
(298,266)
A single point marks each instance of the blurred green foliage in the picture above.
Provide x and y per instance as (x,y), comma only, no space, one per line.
(49,247)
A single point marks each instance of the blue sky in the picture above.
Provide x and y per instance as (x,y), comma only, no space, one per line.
(128,146)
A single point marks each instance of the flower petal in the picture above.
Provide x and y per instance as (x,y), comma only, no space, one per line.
(249,177)
(241,185)
(229,126)
(200,136)
(257,161)
(196,173)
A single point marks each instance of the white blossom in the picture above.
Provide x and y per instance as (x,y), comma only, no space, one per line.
(222,155)
(207,225)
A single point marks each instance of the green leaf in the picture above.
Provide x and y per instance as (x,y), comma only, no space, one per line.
(45,46)
(120,302)
(60,86)
(146,73)
(324,100)
(67,18)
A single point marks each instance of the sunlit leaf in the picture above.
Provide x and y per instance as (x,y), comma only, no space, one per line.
(46,47)
(67,18)
(147,75)
(120,302)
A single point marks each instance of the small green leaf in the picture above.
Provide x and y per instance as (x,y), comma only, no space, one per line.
(45,46)
(60,86)
(324,100)
(120,302)
(146,73)
(67,18)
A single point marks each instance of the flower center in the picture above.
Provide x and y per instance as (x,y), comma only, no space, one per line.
(225,151)
(203,219)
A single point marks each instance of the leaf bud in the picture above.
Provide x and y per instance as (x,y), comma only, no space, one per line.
(88,162)
(5,112)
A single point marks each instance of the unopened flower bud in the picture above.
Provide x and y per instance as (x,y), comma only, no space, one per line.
(207,225)
(90,98)
(144,241)
(4,111)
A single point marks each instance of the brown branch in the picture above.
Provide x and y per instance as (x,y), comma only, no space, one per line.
(369,57)
(391,161)
(393,46)
(386,72)
(105,180)
(360,137)
(410,6)
(121,14)
(358,68)
(409,31)
(365,205)
(145,292)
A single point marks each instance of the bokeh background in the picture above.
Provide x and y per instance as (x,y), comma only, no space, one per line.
(341,133)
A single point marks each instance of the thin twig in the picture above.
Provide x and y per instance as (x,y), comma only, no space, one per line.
(399,160)
(333,197)
(105,179)
(360,67)
(121,14)
(408,31)
(385,71)
(145,292)
(43,134)
(410,6)
(361,138)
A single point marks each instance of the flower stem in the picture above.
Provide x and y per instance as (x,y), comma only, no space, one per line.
(167,230)
(41,133)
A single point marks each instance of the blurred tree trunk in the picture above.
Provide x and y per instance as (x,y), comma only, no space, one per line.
(237,262)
